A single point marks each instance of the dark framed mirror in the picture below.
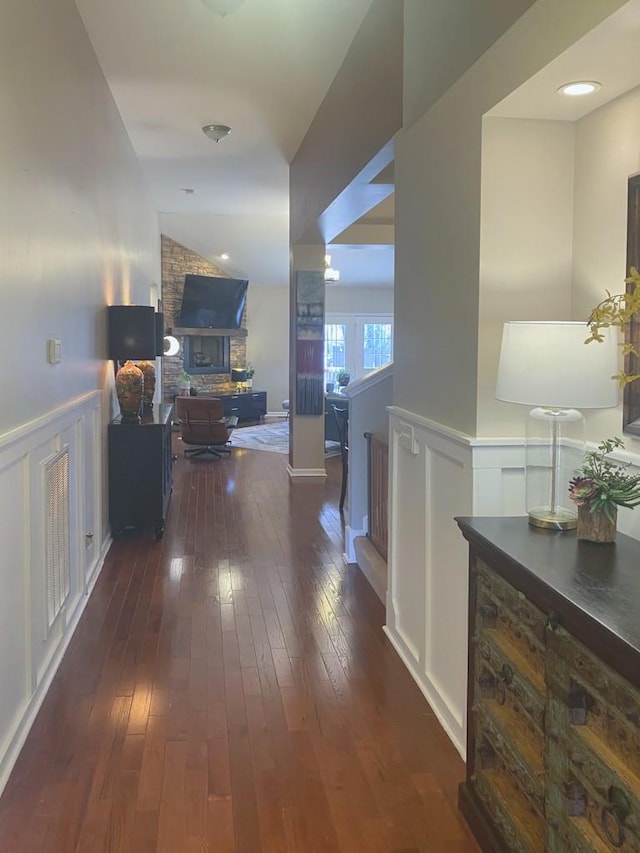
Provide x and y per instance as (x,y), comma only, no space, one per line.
(631,408)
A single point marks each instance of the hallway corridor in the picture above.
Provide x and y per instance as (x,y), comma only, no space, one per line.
(229,688)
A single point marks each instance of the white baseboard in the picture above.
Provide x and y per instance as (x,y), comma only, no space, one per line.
(349,537)
(306,472)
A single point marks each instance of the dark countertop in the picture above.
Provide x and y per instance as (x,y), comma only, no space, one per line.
(594,587)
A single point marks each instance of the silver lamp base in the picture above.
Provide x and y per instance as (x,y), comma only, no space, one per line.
(558,519)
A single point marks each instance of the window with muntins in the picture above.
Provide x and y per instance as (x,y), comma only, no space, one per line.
(357,343)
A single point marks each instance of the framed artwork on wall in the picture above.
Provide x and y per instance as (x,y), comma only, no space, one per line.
(309,343)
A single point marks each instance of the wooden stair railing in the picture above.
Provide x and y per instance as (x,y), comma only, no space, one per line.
(377,491)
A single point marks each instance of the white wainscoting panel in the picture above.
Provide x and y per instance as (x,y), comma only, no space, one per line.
(31,648)
(431,480)
(437,474)
(407,588)
(15,685)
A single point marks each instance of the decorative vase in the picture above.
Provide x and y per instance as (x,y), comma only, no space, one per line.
(596,526)
(129,385)
(148,369)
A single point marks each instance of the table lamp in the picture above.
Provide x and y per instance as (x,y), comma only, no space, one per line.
(548,366)
(131,335)
(239,376)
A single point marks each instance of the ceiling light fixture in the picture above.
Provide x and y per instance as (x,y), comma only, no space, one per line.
(579,87)
(216,131)
(330,274)
(223,7)
(224,256)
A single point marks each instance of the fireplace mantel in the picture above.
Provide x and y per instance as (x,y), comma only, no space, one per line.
(226,333)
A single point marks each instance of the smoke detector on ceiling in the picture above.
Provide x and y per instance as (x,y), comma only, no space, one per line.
(216,131)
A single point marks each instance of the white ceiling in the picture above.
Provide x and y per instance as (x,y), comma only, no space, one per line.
(264,69)
(608,55)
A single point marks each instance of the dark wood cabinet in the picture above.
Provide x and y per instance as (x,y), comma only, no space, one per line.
(140,472)
(251,405)
(553,726)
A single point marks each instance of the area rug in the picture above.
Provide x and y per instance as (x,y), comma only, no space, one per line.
(272,436)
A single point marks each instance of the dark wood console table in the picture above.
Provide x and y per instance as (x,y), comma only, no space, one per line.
(553,725)
(249,405)
(140,472)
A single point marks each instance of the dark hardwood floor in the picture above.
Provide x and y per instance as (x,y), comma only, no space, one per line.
(229,688)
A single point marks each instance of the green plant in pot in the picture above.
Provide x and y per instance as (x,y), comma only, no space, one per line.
(617,310)
(184,382)
(600,486)
(343,378)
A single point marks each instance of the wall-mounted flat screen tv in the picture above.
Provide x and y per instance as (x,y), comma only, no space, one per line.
(210,302)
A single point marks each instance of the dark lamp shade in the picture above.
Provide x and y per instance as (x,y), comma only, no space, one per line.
(238,374)
(132,332)
(159,318)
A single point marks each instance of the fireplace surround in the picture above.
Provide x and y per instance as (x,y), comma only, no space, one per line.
(206,354)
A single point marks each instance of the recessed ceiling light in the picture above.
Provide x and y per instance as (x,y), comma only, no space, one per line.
(224,256)
(579,87)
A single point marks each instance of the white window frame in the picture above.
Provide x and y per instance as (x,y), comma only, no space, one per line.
(354,337)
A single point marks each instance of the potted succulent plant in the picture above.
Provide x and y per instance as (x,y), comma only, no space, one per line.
(343,378)
(599,488)
(184,383)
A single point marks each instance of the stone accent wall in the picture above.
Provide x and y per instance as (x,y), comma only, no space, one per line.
(177,261)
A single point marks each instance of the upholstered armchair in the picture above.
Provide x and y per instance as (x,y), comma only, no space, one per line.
(203,425)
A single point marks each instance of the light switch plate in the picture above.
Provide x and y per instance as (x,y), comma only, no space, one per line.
(54,351)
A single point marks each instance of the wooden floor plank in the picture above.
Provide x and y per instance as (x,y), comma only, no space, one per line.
(230,689)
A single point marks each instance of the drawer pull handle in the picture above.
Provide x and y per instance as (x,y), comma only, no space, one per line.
(612,826)
(487,684)
(577,704)
(503,680)
(554,622)
(614,814)
(507,674)
(489,614)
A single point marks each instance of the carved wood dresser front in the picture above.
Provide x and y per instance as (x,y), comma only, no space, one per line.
(553,725)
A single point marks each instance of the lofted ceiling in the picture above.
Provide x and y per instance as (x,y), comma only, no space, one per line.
(263,68)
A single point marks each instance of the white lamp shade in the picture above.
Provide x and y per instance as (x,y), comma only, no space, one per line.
(548,364)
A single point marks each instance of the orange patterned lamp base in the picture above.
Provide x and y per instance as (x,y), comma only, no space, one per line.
(129,386)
